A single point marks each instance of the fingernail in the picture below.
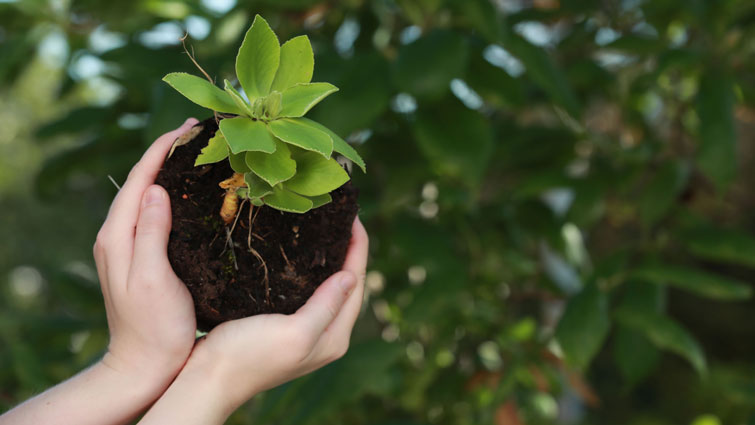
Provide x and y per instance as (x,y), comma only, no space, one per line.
(153,196)
(191,121)
(347,282)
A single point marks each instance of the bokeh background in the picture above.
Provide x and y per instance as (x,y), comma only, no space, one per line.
(559,196)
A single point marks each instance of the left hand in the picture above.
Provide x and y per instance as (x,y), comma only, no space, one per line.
(150,312)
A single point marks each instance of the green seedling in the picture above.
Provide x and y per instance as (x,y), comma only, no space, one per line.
(280,158)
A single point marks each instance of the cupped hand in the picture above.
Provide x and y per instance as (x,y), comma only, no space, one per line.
(150,312)
(241,358)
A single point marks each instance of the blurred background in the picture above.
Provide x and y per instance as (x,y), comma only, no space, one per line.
(559,197)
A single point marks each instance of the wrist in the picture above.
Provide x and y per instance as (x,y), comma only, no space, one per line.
(146,379)
(218,381)
(203,393)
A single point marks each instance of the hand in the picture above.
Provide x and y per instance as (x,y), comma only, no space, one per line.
(150,312)
(241,358)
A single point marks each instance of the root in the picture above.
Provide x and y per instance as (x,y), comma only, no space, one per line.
(254,252)
(229,241)
(229,210)
(288,263)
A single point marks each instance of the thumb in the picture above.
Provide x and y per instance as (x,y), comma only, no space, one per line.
(325,304)
(152,229)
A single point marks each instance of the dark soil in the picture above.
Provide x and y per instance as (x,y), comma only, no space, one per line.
(299,250)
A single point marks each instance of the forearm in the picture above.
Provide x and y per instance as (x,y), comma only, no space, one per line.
(97,395)
(197,396)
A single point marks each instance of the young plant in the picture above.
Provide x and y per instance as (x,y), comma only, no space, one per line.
(280,158)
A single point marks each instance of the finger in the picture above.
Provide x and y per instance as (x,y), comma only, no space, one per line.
(325,304)
(338,333)
(126,203)
(152,233)
(356,256)
(124,211)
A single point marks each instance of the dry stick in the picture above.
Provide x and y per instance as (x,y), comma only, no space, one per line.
(191,56)
(257,254)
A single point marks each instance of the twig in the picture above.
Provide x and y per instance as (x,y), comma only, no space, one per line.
(192,57)
(112,180)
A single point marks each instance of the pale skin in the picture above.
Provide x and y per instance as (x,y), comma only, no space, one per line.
(152,358)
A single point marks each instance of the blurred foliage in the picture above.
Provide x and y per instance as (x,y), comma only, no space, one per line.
(558,198)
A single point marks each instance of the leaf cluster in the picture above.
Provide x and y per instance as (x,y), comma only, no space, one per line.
(287,160)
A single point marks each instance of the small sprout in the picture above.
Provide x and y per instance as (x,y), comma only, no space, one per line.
(280,158)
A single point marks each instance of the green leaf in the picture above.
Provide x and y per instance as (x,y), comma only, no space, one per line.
(258,59)
(272,105)
(272,167)
(302,134)
(215,151)
(202,92)
(634,355)
(458,141)
(256,187)
(299,99)
(288,201)
(584,326)
(717,153)
(425,67)
(340,145)
(665,334)
(297,62)
(245,134)
(365,102)
(316,175)
(730,246)
(661,192)
(544,72)
(237,99)
(320,200)
(238,162)
(693,280)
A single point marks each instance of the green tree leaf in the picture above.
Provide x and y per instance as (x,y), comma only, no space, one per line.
(635,356)
(584,326)
(272,167)
(297,63)
(285,200)
(543,71)
(665,334)
(316,175)
(302,134)
(299,99)
(425,67)
(215,151)
(457,140)
(340,145)
(697,281)
(256,187)
(662,190)
(237,99)
(717,153)
(245,134)
(258,59)
(717,244)
(202,92)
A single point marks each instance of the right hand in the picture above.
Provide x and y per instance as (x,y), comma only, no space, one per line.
(240,358)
